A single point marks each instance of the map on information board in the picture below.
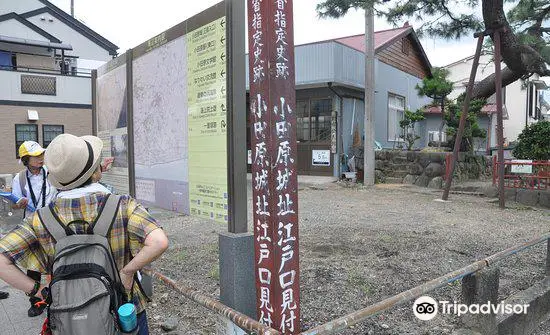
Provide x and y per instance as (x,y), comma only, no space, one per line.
(111,111)
(160,126)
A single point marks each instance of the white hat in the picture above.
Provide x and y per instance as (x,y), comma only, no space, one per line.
(71,160)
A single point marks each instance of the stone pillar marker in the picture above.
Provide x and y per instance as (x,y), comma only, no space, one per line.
(274,161)
(481,288)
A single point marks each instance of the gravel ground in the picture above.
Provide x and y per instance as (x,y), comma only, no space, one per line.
(359,246)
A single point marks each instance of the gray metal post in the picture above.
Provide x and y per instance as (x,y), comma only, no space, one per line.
(480,288)
(130,121)
(94,102)
(236,116)
(236,256)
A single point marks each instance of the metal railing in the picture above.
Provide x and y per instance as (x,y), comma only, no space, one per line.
(241,320)
(344,322)
(416,292)
(524,174)
(72,72)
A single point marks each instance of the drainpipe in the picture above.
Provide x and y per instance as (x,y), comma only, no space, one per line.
(340,139)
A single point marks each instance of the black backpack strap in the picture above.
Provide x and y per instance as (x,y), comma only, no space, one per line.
(51,222)
(107,216)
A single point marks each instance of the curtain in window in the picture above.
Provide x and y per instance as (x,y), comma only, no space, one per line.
(5,60)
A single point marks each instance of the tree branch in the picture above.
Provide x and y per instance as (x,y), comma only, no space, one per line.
(486,87)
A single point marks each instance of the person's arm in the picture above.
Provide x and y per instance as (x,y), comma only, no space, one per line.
(154,245)
(16,190)
(15,277)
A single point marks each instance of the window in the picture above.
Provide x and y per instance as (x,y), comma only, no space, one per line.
(49,132)
(25,132)
(302,121)
(313,120)
(320,120)
(396,112)
(433,136)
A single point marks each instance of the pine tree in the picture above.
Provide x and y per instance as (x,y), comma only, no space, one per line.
(438,88)
(525,39)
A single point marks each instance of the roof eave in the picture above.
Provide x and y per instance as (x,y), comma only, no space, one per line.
(79,26)
(30,25)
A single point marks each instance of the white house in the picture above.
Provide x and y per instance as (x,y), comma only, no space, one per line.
(521,100)
(46,58)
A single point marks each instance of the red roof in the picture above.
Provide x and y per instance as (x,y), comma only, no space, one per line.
(381,38)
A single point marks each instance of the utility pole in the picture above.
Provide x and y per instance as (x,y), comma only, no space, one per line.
(72,8)
(368,155)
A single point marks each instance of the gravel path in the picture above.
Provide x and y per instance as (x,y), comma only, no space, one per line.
(359,246)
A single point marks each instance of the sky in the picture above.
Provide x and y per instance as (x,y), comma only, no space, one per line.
(128,23)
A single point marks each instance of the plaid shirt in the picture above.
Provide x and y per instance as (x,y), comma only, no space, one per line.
(31,246)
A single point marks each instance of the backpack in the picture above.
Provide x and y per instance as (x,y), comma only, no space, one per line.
(86,290)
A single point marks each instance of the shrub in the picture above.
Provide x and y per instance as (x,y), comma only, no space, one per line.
(534,142)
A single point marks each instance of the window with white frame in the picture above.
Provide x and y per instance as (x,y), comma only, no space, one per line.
(49,132)
(396,112)
(25,132)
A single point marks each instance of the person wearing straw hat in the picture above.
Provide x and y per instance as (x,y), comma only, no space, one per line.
(135,238)
(31,186)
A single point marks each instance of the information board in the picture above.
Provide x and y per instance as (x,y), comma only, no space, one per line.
(112,120)
(206,86)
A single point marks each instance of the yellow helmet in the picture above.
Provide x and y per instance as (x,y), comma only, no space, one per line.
(30,148)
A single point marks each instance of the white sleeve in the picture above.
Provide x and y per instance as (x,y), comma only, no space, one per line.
(15,187)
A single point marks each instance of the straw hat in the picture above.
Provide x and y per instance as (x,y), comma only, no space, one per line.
(71,160)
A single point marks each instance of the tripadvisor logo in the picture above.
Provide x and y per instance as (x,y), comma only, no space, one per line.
(426,308)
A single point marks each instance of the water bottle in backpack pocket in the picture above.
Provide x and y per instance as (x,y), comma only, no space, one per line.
(127,318)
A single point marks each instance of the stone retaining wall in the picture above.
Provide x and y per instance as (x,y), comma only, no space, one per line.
(534,198)
(426,169)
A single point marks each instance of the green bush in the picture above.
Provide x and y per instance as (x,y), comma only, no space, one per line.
(534,142)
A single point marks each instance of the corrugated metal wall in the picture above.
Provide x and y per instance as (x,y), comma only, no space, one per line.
(320,63)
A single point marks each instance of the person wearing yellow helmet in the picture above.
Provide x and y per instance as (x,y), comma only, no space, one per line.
(32,185)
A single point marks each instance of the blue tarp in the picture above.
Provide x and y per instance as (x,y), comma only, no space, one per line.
(5,60)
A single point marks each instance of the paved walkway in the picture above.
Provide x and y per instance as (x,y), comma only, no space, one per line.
(13,311)
(13,314)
